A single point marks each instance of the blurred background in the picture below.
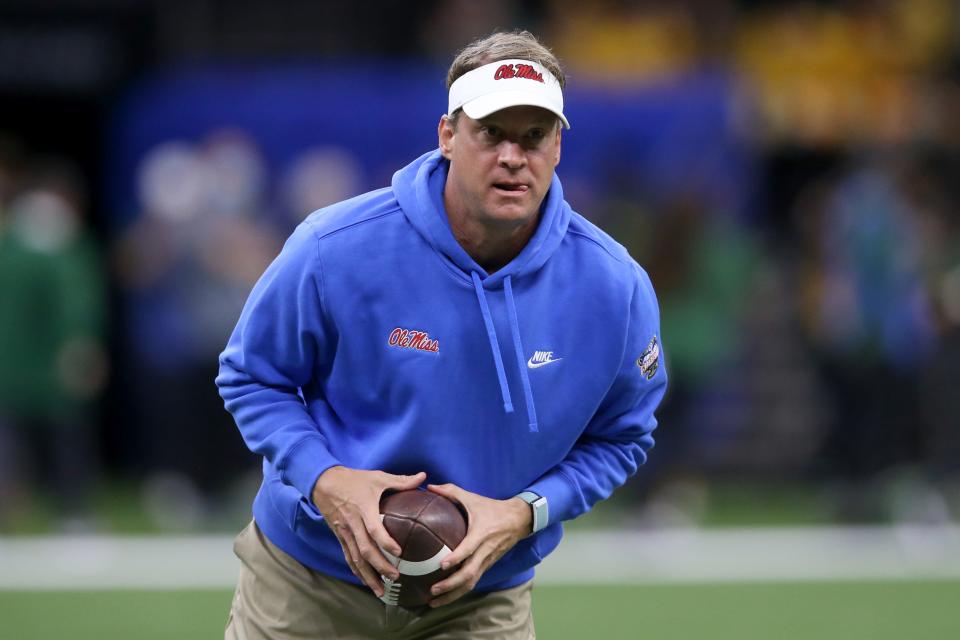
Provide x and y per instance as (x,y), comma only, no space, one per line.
(787,172)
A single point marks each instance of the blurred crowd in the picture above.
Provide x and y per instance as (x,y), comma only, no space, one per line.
(814,339)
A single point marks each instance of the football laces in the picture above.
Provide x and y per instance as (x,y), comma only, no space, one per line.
(391,591)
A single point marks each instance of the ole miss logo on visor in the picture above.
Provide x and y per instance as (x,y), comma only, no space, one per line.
(521,71)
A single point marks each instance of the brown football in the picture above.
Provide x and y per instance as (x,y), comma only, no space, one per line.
(427,527)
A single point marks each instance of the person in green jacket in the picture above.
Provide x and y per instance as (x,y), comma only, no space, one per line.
(52,357)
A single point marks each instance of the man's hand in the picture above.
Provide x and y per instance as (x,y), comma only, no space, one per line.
(349,500)
(494,526)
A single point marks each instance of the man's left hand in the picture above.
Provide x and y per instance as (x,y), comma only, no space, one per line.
(494,526)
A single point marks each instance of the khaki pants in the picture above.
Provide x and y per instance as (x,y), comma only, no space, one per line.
(277,598)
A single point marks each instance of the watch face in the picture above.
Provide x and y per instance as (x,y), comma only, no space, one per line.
(540,514)
(538,504)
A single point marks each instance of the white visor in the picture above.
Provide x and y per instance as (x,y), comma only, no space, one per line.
(506,83)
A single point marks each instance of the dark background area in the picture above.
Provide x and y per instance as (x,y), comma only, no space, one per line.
(786,172)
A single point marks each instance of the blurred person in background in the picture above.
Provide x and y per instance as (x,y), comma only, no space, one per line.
(934,188)
(704,265)
(745,401)
(368,358)
(318,177)
(869,315)
(185,266)
(54,364)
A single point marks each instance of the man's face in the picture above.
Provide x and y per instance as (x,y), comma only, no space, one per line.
(501,166)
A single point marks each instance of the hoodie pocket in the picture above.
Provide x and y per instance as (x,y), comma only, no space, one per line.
(306,515)
(546,541)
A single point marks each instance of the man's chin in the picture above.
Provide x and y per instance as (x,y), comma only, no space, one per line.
(513,215)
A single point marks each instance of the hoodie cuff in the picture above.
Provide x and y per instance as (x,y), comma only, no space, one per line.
(561,496)
(304,463)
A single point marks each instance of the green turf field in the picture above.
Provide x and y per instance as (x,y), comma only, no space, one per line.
(847,611)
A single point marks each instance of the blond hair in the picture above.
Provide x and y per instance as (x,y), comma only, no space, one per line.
(503,45)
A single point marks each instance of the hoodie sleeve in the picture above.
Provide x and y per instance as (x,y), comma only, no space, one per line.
(281,340)
(619,435)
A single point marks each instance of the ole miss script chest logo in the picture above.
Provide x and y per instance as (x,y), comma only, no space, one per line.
(413,339)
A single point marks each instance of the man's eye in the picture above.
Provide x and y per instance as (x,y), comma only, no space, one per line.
(537,134)
(493,132)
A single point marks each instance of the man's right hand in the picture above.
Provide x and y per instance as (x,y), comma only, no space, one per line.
(349,500)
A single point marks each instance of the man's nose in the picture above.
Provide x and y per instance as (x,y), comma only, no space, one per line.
(512,155)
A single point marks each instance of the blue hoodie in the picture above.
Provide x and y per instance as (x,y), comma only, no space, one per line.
(374,341)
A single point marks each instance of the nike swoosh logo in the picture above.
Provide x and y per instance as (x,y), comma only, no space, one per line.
(536,365)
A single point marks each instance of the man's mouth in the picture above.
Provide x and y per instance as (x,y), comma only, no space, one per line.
(510,187)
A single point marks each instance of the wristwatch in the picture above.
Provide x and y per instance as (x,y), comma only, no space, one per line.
(541,512)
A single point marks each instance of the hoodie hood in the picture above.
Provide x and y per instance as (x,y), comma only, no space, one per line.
(419,191)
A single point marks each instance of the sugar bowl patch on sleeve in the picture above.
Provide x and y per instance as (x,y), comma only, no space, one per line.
(649,360)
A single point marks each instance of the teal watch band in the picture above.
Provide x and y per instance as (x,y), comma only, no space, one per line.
(541,511)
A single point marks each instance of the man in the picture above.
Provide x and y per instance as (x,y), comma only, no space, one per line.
(463,327)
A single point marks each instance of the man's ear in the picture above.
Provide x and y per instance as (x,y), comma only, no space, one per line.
(556,160)
(445,136)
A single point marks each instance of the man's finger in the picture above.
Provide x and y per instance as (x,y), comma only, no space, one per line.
(367,574)
(457,585)
(369,551)
(467,547)
(371,578)
(379,533)
(350,563)
(449,491)
(402,483)
(360,567)
(452,596)
(343,534)
(467,573)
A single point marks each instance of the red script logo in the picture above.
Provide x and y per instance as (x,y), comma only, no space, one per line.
(412,339)
(522,71)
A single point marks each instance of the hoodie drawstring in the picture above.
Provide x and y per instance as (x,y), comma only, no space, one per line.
(517,347)
(494,343)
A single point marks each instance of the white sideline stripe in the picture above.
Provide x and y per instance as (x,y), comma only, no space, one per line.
(584,557)
(756,555)
(114,562)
